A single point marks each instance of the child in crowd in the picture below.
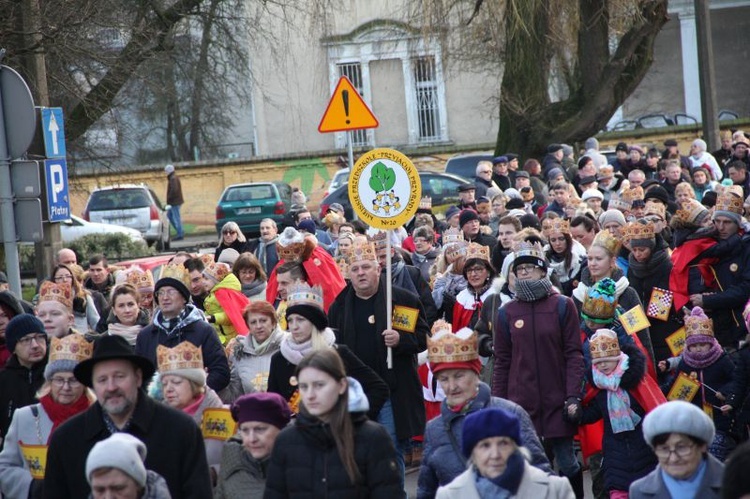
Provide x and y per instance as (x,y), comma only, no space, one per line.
(225,302)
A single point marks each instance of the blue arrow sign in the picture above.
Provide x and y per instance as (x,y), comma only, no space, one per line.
(58,199)
(54,132)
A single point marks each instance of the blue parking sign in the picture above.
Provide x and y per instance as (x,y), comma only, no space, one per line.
(58,199)
(53,130)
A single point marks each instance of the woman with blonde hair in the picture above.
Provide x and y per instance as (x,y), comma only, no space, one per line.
(231,237)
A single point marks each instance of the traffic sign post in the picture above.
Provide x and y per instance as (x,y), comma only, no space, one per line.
(58,199)
(53,132)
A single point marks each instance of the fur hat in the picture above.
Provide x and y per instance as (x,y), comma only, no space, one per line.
(122,451)
(488,423)
(19,326)
(266,407)
(604,346)
(678,416)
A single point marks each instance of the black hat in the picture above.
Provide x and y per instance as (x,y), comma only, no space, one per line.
(112,347)
(654,153)
(514,204)
(709,199)
(499,159)
(648,183)
(511,156)
(467,216)
(621,146)
(20,326)
(657,193)
(10,303)
(530,220)
(670,143)
(587,180)
(522,174)
(467,187)
(553,148)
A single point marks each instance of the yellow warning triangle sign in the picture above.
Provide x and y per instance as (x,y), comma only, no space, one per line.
(346,110)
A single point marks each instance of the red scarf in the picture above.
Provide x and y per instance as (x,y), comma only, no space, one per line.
(59,413)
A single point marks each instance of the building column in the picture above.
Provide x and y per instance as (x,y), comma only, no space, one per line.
(690,75)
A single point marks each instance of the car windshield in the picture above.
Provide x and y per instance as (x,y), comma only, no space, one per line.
(249,193)
(119,199)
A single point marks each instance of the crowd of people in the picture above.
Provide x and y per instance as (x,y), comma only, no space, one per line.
(566,315)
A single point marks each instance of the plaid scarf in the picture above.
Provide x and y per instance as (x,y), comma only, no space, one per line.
(621,416)
(529,290)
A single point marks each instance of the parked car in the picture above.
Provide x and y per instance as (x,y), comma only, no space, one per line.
(340,177)
(465,165)
(441,187)
(248,204)
(75,228)
(134,206)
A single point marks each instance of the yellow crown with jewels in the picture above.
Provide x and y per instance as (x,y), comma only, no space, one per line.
(72,347)
(217,271)
(527,248)
(555,226)
(698,325)
(441,325)
(342,262)
(291,245)
(444,346)
(637,230)
(177,272)
(62,292)
(605,239)
(691,211)
(380,239)
(425,203)
(632,194)
(363,252)
(728,201)
(475,250)
(183,356)
(142,280)
(656,209)
(452,236)
(604,344)
(301,293)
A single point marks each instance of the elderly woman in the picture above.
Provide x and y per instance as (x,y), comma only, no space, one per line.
(458,376)
(231,237)
(250,356)
(181,384)
(680,433)
(498,468)
(260,417)
(60,397)
(252,277)
(126,318)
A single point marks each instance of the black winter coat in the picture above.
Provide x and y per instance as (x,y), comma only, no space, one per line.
(174,442)
(306,464)
(18,387)
(240,246)
(627,456)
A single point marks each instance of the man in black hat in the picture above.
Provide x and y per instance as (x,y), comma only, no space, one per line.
(553,159)
(469,222)
(622,160)
(512,165)
(500,172)
(672,152)
(118,377)
(467,196)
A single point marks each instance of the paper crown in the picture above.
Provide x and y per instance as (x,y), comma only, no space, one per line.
(342,262)
(697,323)
(445,346)
(605,239)
(527,248)
(142,280)
(363,252)
(475,250)
(600,302)
(177,272)
(736,190)
(333,218)
(183,356)
(452,236)
(71,347)
(52,291)
(380,239)
(207,258)
(300,293)
(291,245)
(632,194)
(217,271)
(555,226)
(727,201)
(603,345)
(656,209)
(637,231)
(425,203)
(441,325)
(691,211)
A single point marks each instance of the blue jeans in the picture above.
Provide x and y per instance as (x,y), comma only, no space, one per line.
(565,455)
(174,218)
(385,418)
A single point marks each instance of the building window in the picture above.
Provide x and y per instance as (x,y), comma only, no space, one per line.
(427,102)
(353,71)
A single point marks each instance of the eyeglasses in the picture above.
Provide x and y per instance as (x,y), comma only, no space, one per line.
(485,171)
(61,278)
(39,338)
(228,231)
(60,382)
(164,293)
(680,450)
(523,269)
(475,270)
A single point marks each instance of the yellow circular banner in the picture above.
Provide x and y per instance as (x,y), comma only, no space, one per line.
(384,189)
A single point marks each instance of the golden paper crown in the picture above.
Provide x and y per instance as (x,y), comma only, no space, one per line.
(207,259)
(698,325)
(425,203)
(605,239)
(632,194)
(604,344)
(620,204)
(445,346)
(555,226)
(140,279)
(71,347)
(183,356)
(301,293)
(177,272)
(736,190)
(292,252)
(363,252)
(637,230)
(475,250)
(451,236)
(217,271)
(728,201)
(441,325)
(342,262)
(527,248)
(656,209)
(690,211)
(52,291)
(380,239)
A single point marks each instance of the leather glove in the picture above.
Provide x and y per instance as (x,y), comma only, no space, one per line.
(572,410)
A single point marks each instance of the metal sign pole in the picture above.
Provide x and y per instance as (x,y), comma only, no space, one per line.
(349,149)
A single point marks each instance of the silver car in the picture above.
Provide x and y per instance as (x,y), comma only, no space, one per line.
(134,206)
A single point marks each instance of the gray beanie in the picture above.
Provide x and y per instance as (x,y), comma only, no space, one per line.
(121,451)
(678,416)
(611,216)
(591,143)
(567,150)
(228,256)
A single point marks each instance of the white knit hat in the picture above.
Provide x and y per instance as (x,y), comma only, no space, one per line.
(121,451)
(678,416)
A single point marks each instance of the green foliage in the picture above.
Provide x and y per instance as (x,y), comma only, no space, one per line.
(382,178)
(113,246)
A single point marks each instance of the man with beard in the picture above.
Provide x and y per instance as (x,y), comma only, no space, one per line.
(118,376)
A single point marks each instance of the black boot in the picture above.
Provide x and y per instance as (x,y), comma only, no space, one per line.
(576,482)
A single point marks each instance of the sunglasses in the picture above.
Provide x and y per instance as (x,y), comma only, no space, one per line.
(229,231)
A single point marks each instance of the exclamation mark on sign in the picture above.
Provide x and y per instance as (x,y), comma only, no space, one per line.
(345,98)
